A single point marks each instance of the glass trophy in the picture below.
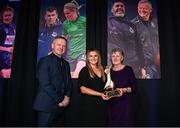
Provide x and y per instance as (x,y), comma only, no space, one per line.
(109,86)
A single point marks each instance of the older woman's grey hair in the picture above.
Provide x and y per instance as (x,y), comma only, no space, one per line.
(118,50)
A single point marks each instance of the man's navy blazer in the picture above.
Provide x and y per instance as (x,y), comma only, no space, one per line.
(54,81)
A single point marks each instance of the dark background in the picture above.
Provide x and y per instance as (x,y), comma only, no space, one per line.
(156,102)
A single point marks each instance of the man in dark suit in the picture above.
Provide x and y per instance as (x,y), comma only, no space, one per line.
(55,85)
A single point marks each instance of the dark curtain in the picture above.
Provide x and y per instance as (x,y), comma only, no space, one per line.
(96,26)
(24,65)
(169,89)
(156,102)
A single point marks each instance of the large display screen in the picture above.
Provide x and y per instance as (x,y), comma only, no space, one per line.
(64,18)
(8,19)
(133,28)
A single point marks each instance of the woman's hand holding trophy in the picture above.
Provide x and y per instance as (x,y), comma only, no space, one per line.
(109,86)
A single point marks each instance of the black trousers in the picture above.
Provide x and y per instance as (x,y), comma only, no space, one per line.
(55,118)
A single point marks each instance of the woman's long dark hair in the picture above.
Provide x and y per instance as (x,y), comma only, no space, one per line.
(99,65)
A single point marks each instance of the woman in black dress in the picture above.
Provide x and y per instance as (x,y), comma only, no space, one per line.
(92,81)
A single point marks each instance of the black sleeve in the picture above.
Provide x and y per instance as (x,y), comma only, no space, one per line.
(132,80)
(2,36)
(69,84)
(45,81)
(139,51)
(83,77)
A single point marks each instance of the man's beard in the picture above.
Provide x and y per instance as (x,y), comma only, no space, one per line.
(119,14)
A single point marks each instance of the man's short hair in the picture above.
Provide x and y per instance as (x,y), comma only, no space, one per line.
(114,1)
(51,9)
(60,37)
(145,1)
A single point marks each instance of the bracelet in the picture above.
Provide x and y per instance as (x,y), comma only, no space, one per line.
(126,90)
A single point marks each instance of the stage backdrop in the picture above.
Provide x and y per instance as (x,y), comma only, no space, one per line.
(8,16)
(157,100)
(56,18)
(133,27)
